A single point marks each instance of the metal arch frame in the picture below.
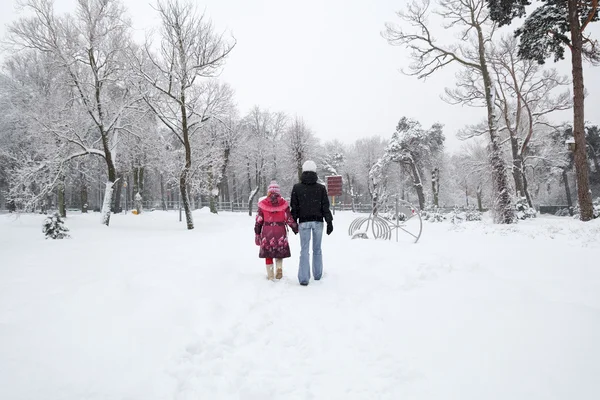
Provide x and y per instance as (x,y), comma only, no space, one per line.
(381,228)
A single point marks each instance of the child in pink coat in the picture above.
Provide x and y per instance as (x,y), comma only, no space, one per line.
(271,231)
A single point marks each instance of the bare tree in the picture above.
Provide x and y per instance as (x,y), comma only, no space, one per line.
(471,54)
(299,140)
(89,49)
(189,50)
(229,137)
(279,124)
(526,96)
(361,158)
(549,30)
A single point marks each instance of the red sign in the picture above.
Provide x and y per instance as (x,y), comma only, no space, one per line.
(334,185)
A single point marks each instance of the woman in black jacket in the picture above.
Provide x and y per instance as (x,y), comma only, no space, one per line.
(310,206)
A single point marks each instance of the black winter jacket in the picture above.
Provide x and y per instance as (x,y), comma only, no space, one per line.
(309,201)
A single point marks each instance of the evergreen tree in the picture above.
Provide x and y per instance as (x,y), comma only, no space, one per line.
(550,28)
(54,227)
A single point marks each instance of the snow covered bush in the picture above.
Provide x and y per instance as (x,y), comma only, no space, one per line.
(472,214)
(54,227)
(391,216)
(433,215)
(563,212)
(523,209)
(457,216)
(468,214)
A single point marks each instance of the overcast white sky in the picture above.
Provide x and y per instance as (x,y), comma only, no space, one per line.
(326,61)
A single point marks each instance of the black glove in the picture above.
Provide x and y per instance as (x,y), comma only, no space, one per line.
(329,228)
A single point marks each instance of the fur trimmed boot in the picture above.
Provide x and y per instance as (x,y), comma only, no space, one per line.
(270,272)
(279,263)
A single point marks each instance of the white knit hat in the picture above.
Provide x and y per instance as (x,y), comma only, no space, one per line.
(309,166)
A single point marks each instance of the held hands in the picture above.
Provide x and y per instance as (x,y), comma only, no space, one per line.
(329,228)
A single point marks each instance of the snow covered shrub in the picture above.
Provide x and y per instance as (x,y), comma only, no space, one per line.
(523,209)
(391,216)
(563,212)
(472,214)
(457,216)
(433,215)
(468,214)
(54,227)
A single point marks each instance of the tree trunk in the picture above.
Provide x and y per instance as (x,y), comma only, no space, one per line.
(251,199)
(112,172)
(248,176)
(128,193)
(136,184)
(141,171)
(435,186)
(375,202)
(163,203)
(224,184)
(183,183)
(213,194)
(299,166)
(520,178)
(526,190)
(417,183)
(62,210)
(503,210)
(106,203)
(138,181)
(581,166)
(517,171)
(567,190)
(212,204)
(117,202)
(479,197)
(184,196)
(84,195)
(234,188)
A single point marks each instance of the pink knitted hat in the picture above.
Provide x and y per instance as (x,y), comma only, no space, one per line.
(274,188)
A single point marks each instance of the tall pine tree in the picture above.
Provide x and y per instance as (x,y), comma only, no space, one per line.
(548,30)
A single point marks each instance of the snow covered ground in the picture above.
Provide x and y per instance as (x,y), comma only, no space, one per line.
(147,310)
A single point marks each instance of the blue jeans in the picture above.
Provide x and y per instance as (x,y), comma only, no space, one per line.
(306,229)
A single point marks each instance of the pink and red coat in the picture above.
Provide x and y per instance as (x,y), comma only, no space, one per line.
(271,221)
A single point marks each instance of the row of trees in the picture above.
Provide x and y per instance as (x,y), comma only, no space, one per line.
(504,75)
(77,85)
(86,106)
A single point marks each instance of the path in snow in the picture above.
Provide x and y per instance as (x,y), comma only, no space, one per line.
(147,310)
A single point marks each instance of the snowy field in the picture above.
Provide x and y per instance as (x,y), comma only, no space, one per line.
(147,310)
